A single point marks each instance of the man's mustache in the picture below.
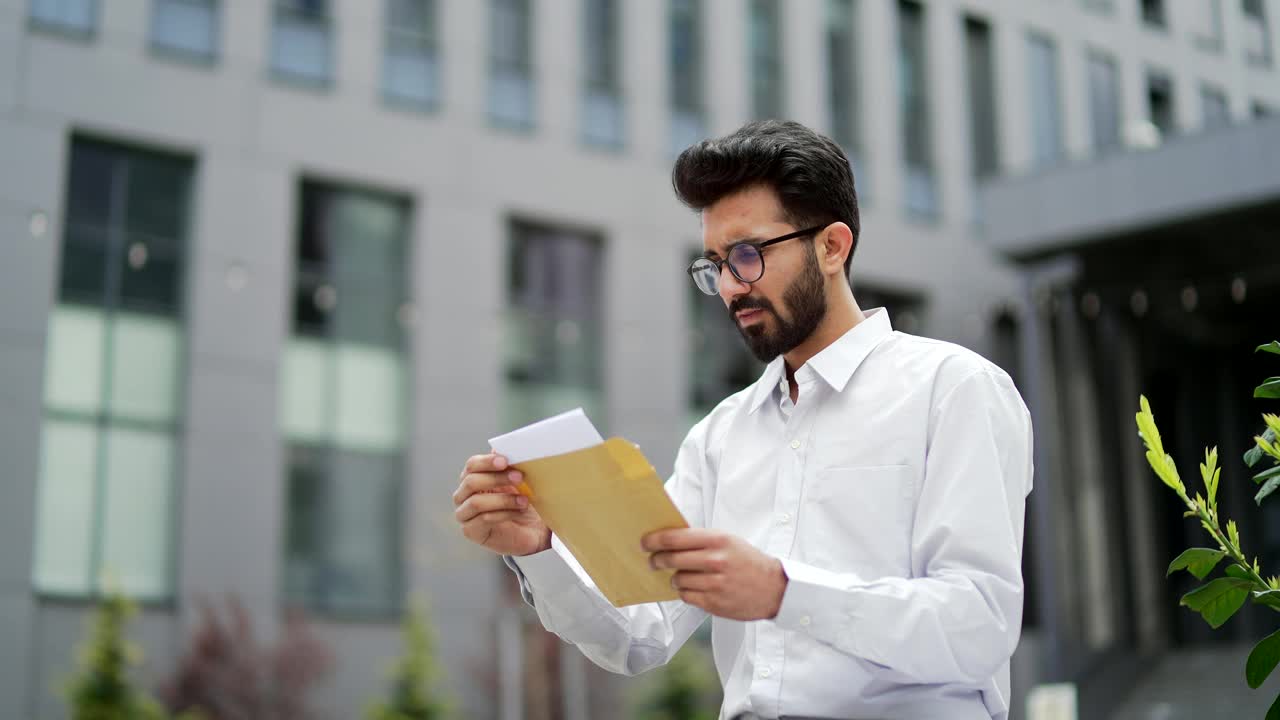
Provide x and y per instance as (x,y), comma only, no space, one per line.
(749,303)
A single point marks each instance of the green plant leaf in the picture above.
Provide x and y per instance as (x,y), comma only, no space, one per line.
(1271,347)
(1252,457)
(1267,474)
(1262,660)
(1267,489)
(1274,712)
(1270,598)
(1268,389)
(1219,600)
(1235,571)
(1197,561)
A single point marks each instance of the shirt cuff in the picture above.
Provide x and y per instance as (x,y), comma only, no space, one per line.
(543,573)
(818,602)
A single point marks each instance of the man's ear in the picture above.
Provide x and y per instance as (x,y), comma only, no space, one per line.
(835,243)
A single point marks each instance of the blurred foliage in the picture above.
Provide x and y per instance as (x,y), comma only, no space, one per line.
(1242,580)
(414,676)
(686,688)
(101,689)
(226,675)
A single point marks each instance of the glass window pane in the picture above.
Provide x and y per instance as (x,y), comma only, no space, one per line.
(980,64)
(73,362)
(554,298)
(306,391)
(300,42)
(95,177)
(920,189)
(186,26)
(370,398)
(1045,112)
(137,511)
(368,266)
(344,531)
(75,15)
(65,507)
(150,275)
(146,355)
(764,38)
(1217,112)
(1104,102)
(156,201)
(364,549)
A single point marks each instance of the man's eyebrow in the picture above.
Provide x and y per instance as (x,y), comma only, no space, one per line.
(712,254)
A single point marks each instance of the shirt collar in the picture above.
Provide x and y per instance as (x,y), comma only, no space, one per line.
(835,363)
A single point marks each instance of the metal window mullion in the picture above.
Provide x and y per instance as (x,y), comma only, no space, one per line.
(110,298)
(329,446)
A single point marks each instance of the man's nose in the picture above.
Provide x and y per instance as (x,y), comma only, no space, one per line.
(731,287)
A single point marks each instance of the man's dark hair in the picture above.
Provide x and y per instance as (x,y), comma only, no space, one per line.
(808,171)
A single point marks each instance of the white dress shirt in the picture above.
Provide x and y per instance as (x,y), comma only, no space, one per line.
(892,491)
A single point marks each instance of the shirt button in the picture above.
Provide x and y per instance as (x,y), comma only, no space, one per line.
(765,672)
(784,518)
(804,621)
(795,444)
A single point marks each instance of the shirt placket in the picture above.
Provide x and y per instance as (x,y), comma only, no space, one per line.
(766,686)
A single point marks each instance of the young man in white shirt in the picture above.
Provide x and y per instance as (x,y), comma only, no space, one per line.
(856,513)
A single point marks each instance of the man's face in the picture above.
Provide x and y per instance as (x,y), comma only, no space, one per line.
(783,308)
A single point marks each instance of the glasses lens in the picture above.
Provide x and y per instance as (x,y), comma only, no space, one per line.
(746,262)
(705,276)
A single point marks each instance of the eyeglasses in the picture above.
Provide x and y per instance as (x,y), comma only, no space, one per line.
(745,261)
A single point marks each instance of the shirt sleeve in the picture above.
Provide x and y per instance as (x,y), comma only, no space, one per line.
(627,640)
(958,619)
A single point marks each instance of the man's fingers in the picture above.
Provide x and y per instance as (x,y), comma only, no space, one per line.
(486,503)
(489,462)
(699,560)
(697,581)
(486,482)
(682,539)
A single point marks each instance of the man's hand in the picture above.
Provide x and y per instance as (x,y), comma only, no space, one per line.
(493,514)
(718,572)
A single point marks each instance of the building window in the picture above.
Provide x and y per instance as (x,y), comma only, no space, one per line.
(411,67)
(1216,112)
(843,94)
(1153,14)
(1208,24)
(981,79)
(554,320)
(301,41)
(78,17)
(186,27)
(1104,103)
(511,64)
(764,44)
(113,377)
(1257,33)
(1160,103)
(343,397)
(719,362)
(1046,110)
(921,183)
(685,73)
(602,116)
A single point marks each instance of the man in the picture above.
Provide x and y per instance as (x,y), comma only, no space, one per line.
(856,513)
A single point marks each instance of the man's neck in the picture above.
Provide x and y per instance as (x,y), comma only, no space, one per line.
(843,314)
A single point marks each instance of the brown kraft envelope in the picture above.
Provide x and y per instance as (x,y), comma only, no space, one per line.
(600,501)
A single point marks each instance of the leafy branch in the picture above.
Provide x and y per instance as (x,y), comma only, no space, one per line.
(1221,598)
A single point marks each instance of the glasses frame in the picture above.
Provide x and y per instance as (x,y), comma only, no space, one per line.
(760,246)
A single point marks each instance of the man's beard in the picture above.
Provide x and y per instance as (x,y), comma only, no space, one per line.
(805,301)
